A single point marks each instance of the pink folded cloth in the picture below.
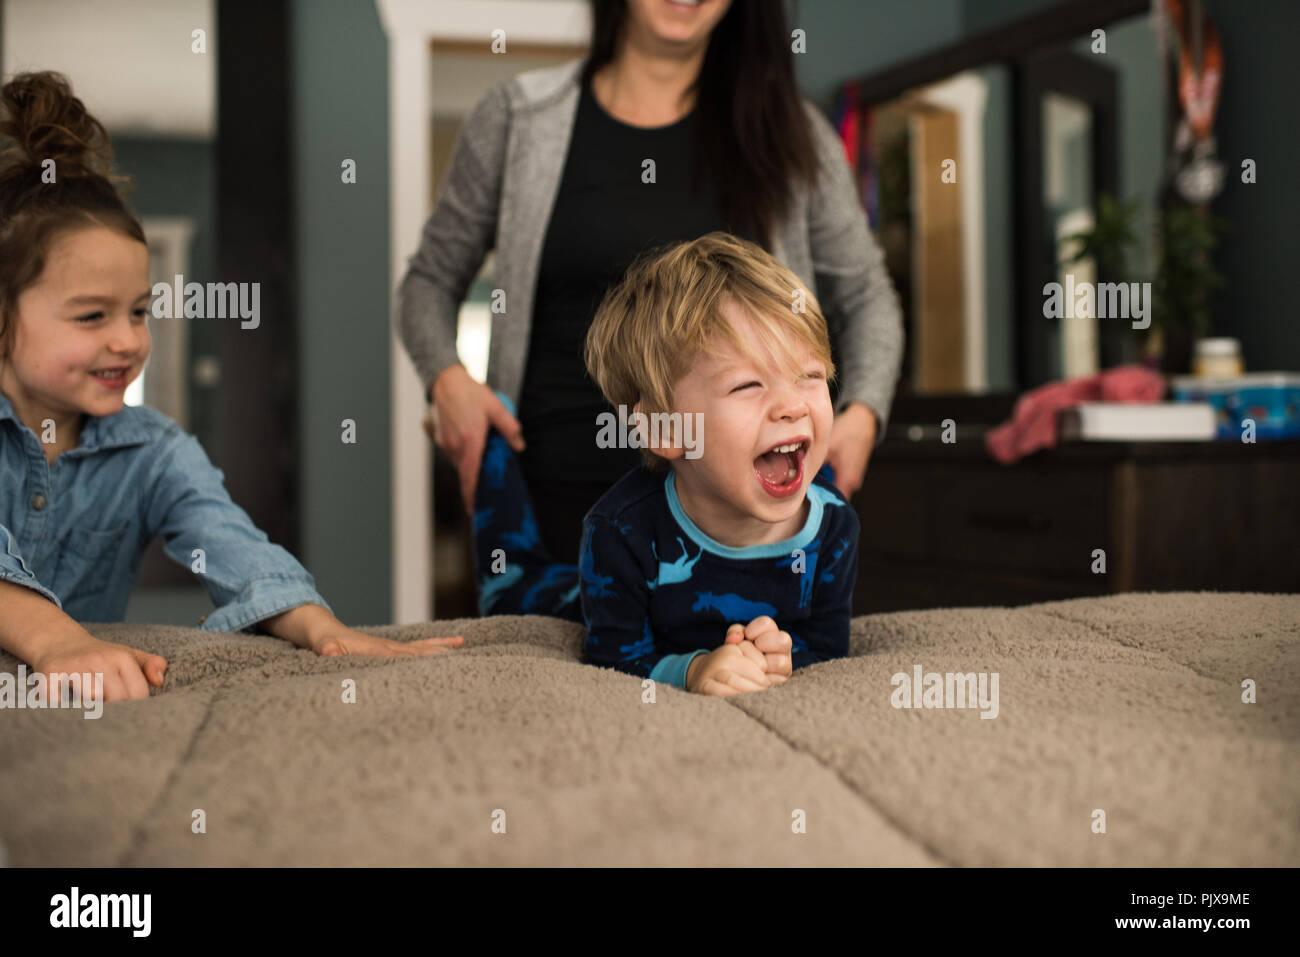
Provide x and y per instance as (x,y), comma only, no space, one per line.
(1032,425)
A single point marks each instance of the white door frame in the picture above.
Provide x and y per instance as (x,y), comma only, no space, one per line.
(411,26)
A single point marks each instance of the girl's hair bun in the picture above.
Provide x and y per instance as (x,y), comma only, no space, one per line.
(41,119)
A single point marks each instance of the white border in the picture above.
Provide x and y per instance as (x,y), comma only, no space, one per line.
(411,25)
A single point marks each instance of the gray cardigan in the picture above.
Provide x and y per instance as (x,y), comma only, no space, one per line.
(504,176)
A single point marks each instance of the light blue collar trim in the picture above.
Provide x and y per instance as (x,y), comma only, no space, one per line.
(818,498)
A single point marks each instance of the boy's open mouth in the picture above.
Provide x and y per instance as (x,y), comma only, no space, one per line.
(780,468)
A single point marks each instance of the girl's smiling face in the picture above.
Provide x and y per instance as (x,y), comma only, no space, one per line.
(80,335)
(740,491)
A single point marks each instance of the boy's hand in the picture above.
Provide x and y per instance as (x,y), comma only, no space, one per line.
(127,672)
(314,627)
(774,644)
(728,669)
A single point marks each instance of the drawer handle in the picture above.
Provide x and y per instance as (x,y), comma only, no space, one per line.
(1017,522)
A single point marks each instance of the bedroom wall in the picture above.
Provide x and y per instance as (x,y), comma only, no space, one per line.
(340,109)
(851,39)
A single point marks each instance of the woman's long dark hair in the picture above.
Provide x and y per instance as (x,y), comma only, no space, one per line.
(751,133)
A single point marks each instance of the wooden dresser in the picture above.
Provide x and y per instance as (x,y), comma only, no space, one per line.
(943,525)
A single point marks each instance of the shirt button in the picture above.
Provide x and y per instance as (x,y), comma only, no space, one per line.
(38,502)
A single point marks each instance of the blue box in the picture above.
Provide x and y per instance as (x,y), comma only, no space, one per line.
(1271,399)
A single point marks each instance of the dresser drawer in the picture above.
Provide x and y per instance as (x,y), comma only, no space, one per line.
(1047,520)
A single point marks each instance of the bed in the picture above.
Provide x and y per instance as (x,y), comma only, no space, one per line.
(1121,737)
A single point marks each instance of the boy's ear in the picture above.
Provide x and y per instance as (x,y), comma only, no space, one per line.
(668,452)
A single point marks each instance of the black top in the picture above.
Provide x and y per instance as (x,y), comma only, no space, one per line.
(604,216)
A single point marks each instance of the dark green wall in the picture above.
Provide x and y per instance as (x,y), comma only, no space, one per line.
(340,110)
(1257,120)
(851,38)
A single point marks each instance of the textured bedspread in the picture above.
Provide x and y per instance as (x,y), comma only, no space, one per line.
(511,752)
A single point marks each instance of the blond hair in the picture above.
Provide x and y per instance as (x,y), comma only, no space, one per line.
(652,326)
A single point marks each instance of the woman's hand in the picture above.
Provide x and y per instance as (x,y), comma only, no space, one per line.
(852,438)
(462,410)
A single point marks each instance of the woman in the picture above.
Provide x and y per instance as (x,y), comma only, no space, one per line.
(682,120)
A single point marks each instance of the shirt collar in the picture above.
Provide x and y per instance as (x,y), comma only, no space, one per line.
(124,428)
(818,499)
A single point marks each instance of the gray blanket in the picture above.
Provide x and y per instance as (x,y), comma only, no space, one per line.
(1124,712)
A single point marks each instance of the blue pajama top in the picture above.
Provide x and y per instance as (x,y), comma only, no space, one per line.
(656,590)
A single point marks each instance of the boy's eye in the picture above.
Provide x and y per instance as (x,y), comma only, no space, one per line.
(91,317)
(745,386)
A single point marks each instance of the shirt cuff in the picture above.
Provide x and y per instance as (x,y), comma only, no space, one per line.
(29,581)
(261,599)
(672,669)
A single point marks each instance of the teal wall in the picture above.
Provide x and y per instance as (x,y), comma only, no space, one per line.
(1257,120)
(849,39)
(1131,53)
(173,177)
(340,111)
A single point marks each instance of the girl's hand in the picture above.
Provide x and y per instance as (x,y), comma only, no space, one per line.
(853,436)
(772,646)
(127,672)
(345,641)
(462,412)
(314,627)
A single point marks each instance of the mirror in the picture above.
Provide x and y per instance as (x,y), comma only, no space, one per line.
(977,184)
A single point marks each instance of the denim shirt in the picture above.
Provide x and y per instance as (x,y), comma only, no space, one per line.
(75,530)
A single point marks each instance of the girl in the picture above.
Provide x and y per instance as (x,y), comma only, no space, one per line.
(85,482)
